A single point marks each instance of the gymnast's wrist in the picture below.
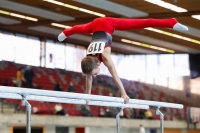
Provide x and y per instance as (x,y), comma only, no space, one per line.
(123,94)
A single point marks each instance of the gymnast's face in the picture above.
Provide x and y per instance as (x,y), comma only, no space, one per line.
(95,71)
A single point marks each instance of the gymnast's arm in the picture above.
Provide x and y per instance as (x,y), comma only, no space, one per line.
(77,29)
(111,67)
(88,84)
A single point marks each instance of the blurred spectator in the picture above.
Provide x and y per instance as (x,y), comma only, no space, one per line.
(188,93)
(34,109)
(28,76)
(142,114)
(50,57)
(108,112)
(59,110)
(113,111)
(142,129)
(57,87)
(71,87)
(128,113)
(85,111)
(19,77)
(148,114)
(136,113)
(102,112)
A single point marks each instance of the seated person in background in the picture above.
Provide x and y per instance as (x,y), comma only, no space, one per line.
(108,112)
(59,110)
(85,111)
(102,112)
(71,87)
(148,114)
(128,113)
(57,87)
(136,113)
(142,115)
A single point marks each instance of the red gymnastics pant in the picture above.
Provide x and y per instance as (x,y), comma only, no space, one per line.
(109,24)
(127,24)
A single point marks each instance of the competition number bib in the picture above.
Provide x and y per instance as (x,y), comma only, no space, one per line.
(96,48)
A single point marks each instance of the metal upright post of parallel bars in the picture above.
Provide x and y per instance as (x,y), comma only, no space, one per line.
(118,119)
(28,114)
(158,112)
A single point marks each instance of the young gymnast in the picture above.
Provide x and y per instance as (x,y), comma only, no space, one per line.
(99,49)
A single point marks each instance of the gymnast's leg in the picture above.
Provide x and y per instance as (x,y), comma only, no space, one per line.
(127,24)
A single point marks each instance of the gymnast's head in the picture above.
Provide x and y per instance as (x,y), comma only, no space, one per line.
(90,66)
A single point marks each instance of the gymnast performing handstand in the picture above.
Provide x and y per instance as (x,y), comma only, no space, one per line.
(99,49)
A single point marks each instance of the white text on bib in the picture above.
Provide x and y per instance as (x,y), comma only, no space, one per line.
(96,48)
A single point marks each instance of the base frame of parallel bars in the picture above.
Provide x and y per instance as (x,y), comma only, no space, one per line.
(28,116)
